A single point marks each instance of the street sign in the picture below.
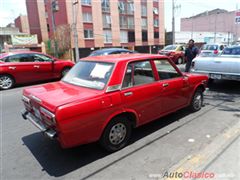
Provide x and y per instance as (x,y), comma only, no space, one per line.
(237,17)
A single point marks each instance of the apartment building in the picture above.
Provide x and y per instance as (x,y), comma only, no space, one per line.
(217,20)
(133,24)
(21,22)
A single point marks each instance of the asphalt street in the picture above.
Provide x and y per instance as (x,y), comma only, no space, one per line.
(154,148)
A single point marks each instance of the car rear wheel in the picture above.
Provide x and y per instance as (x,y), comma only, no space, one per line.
(6,82)
(65,71)
(116,134)
(197,100)
(180,60)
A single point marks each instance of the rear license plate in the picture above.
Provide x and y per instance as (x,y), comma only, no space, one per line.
(215,76)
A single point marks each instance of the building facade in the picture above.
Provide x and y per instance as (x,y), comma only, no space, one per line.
(217,20)
(21,22)
(133,24)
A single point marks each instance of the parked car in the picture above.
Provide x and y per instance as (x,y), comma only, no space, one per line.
(174,52)
(103,98)
(108,51)
(226,66)
(211,49)
(28,66)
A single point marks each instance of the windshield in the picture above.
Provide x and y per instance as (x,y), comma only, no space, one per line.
(210,47)
(89,74)
(231,51)
(170,47)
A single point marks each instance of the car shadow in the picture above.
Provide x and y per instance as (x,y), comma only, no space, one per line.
(58,162)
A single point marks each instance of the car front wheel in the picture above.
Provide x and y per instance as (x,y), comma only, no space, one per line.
(116,134)
(6,82)
(197,100)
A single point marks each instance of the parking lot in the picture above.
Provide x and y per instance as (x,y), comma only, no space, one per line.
(154,148)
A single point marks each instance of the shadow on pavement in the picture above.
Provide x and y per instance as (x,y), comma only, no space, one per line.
(58,162)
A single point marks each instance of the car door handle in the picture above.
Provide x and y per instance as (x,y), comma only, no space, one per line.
(35,66)
(128,93)
(12,67)
(165,85)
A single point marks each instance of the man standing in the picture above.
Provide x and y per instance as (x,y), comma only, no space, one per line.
(190,53)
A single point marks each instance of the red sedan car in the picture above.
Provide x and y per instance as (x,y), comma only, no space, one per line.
(103,97)
(175,52)
(25,67)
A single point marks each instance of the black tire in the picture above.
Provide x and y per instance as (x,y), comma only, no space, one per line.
(111,141)
(180,60)
(65,71)
(6,82)
(197,100)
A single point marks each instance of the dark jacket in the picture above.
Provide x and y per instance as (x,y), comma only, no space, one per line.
(191,53)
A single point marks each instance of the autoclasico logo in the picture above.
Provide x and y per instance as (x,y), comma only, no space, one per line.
(185,175)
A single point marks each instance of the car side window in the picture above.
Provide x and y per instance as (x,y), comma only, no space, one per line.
(166,70)
(41,58)
(138,73)
(19,58)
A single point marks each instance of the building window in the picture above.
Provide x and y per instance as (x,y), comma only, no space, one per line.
(130,21)
(107,36)
(124,37)
(123,22)
(155,10)
(86,2)
(130,8)
(48,28)
(156,35)
(105,6)
(122,7)
(88,33)
(144,10)
(144,23)
(155,22)
(87,17)
(144,36)
(106,21)
(131,36)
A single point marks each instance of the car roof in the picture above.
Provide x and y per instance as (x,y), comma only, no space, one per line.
(18,52)
(110,50)
(123,57)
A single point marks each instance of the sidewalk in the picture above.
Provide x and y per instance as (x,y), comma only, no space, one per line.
(220,160)
(227,165)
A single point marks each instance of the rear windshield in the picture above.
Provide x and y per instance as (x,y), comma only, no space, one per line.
(231,51)
(210,47)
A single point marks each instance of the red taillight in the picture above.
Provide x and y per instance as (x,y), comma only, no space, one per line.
(215,52)
(47,115)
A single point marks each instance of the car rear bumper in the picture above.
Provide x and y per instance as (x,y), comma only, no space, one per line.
(219,75)
(51,133)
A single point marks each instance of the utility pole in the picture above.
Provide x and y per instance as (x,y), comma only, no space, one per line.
(74,28)
(54,8)
(174,7)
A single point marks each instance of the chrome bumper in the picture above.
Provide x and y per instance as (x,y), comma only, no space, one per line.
(52,134)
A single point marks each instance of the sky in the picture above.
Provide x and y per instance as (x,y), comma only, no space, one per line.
(10,9)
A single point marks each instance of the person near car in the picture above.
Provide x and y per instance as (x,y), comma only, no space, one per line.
(190,53)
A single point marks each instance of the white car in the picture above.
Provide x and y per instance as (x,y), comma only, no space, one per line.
(211,49)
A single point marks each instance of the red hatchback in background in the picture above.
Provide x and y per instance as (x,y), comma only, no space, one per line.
(28,66)
(103,97)
(174,52)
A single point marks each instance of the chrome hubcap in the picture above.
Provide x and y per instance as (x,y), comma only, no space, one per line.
(117,133)
(5,82)
(197,102)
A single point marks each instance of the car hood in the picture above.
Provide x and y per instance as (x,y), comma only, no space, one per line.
(53,95)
